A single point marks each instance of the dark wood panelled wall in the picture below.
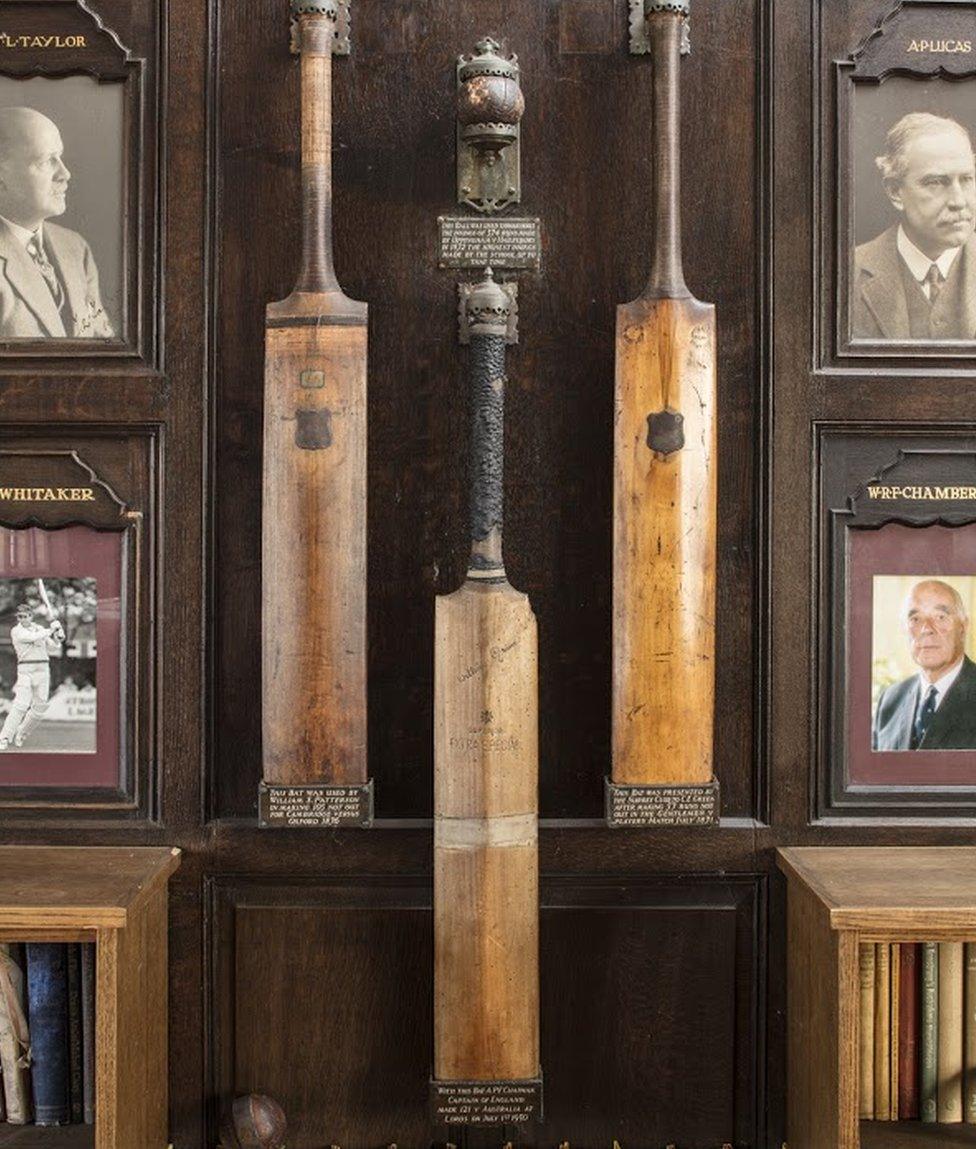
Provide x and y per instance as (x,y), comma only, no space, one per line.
(301,962)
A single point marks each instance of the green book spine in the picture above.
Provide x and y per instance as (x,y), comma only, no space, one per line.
(929,1043)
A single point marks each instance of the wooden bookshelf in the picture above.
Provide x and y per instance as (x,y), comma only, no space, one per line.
(34,1137)
(117,898)
(911,1135)
(840,897)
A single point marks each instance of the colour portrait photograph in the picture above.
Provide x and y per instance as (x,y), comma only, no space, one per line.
(923,674)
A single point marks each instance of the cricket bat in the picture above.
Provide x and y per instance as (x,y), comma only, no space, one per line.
(314,501)
(486,889)
(665,485)
(42,590)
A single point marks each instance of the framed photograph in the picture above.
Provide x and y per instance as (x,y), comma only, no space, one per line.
(78,187)
(905,269)
(61,658)
(62,209)
(77,670)
(897,698)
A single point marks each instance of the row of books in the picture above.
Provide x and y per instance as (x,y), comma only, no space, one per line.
(918,1032)
(47,1033)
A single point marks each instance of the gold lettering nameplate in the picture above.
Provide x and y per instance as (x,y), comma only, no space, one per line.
(47,495)
(923,494)
(952,46)
(7,41)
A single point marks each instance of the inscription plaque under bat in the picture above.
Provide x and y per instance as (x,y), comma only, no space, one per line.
(465,241)
(328,807)
(486,1102)
(632,806)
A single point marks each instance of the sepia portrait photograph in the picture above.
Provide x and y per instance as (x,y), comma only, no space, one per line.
(913,258)
(61,653)
(923,677)
(62,217)
(48,665)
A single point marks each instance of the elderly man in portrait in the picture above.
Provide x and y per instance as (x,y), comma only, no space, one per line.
(48,278)
(917,280)
(935,709)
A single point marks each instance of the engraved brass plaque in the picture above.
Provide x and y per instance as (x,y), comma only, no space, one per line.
(486,1102)
(315,807)
(634,806)
(475,242)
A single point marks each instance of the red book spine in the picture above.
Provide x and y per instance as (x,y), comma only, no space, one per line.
(909,1007)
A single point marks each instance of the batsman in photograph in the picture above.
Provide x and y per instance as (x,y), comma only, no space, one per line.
(34,644)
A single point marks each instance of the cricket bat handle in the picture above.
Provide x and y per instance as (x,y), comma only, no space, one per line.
(317,20)
(488,320)
(667,21)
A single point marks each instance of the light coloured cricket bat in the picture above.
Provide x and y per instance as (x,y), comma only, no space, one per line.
(486,890)
(42,589)
(314,524)
(665,473)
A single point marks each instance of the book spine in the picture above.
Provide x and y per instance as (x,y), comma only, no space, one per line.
(866,1042)
(47,992)
(908,1024)
(950,1031)
(88,1028)
(969,1038)
(75,1070)
(895,1010)
(14,1035)
(882,1032)
(929,1034)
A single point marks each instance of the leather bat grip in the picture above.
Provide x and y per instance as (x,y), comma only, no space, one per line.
(487,450)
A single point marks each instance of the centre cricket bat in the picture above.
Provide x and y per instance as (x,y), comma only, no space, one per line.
(486,890)
(664,481)
(314,499)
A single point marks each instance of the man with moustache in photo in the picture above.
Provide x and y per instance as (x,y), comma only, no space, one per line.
(935,709)
(917,280)
(48,277)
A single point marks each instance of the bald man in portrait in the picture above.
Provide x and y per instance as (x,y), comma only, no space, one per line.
(917,280)
(934,709)
(48,277)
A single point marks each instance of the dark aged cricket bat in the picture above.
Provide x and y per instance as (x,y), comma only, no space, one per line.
(314,527)
(664,482)
(486,908)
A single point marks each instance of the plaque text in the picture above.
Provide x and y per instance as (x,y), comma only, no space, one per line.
(7,41)
(954,47)
(47,495)
(922,494)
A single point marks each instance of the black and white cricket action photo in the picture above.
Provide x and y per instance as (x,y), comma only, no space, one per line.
(48,686)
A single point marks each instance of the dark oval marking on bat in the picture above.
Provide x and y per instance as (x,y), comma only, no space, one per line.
(313,429)
(666,432)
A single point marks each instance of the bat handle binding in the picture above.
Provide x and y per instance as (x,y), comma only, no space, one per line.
(488,312)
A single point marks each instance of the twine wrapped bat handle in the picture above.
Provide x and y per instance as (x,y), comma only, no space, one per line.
(317,21)
(488,312)
(667,29)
